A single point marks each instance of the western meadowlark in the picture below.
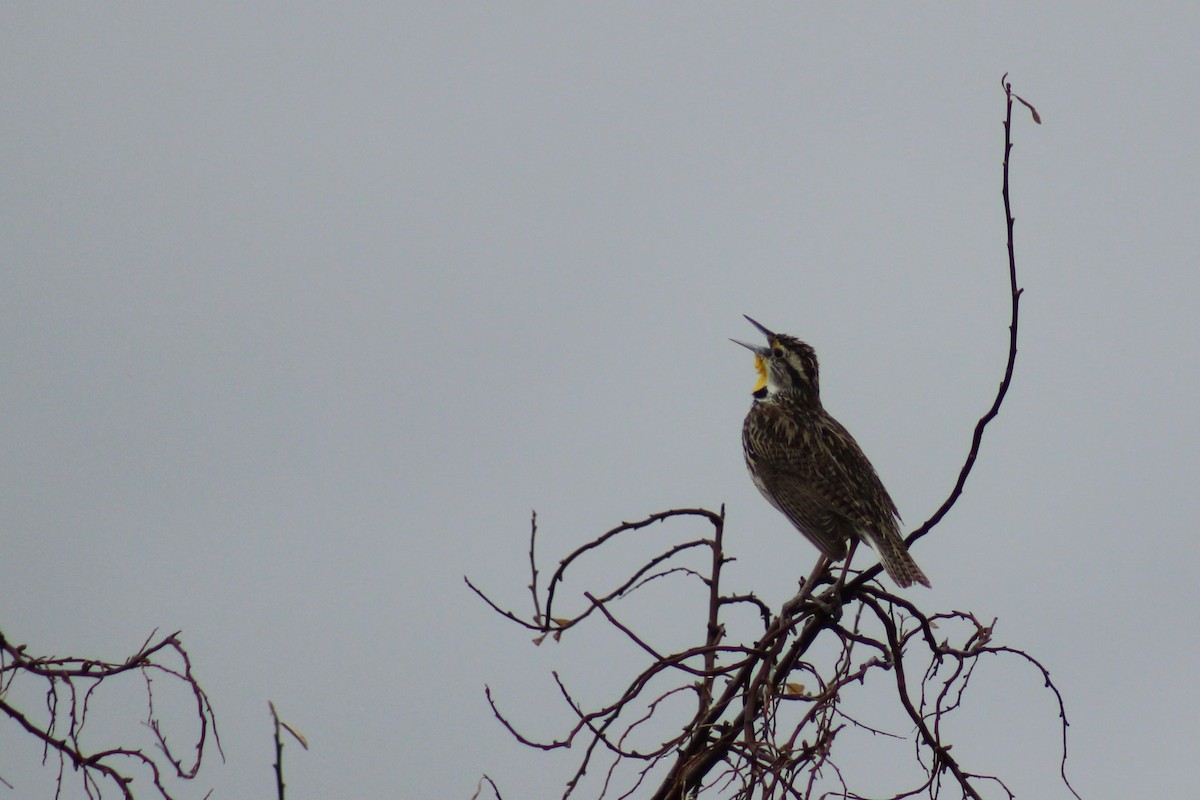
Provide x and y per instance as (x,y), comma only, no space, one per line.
(810,468)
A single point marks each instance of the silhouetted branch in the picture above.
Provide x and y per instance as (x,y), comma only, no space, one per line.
(60,677)
(770,710)
(1015,292)
(491,785)
(280,727)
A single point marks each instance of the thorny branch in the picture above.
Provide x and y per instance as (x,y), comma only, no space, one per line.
(1015,291)
(280,727)
(769,712)
(73,682)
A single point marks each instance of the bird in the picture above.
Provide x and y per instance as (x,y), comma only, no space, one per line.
(809,467)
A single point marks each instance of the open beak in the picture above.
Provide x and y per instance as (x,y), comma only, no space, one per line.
(756,349)
(760,355)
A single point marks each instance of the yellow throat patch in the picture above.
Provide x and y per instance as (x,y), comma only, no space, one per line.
(760,366)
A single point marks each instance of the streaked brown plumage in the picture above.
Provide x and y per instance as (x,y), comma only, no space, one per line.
(810,468)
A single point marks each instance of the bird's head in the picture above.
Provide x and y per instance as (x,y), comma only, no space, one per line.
(785,365)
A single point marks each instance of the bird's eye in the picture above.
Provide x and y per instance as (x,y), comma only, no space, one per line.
(777,352)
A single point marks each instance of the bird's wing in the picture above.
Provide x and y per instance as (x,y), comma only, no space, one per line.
(784,469)
(845,478)
(827,531)
(813,470)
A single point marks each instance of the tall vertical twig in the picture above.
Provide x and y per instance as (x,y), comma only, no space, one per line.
(281,726)
(769,711)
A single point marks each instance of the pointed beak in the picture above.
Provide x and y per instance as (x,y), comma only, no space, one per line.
(762,328)
(753,348)
(758,350)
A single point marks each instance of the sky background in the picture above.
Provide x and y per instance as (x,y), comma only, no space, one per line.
(306,306)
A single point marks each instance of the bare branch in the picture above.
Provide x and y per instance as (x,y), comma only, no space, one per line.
(1015,294)
(62,673)
(771,712)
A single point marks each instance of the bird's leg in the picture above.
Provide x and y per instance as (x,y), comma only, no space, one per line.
(831,600)
(810,583)
(841,581)
(806,589)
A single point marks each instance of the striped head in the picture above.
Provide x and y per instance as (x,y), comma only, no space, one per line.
(786,366)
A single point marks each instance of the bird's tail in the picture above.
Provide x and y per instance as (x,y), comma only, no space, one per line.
(893,553)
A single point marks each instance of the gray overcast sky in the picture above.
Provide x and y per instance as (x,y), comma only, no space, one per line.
(306,306)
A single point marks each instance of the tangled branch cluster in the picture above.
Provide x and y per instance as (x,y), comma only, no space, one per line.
(768,713)
(70,684)
(770,710)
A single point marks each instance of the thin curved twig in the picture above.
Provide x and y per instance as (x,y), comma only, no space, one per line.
(758,732)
